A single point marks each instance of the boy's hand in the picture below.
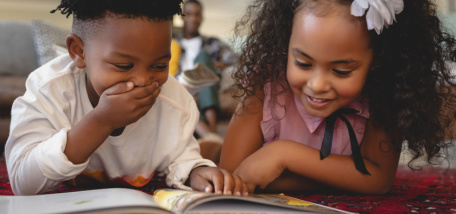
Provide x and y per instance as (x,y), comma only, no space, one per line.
(224,182)
(261,167)
(123,103)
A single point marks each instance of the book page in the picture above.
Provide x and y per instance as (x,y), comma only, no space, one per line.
(82,201)
(236,206)
(181,201)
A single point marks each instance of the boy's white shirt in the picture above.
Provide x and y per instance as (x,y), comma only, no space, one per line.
(56,99)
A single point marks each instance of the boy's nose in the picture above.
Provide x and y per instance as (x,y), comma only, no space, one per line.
(143,79)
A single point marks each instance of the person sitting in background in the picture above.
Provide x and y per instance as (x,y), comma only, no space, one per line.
(216,55)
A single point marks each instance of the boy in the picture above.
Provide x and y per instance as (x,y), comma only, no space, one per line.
(109,111)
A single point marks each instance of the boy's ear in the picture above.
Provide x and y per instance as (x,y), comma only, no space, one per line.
(76,50)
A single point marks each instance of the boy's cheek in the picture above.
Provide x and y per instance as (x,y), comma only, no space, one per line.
(163,81)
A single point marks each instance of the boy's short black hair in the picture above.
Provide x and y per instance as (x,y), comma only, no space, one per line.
(96,9)
(87,14)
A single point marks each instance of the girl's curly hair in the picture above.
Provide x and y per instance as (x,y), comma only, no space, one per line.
(409,86)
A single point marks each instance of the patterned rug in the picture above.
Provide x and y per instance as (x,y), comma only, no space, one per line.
(431,190)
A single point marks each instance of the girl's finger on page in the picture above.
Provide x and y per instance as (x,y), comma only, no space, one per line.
(238,185)
(228,184)
(245,190)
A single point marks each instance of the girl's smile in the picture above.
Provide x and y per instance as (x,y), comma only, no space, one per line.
(317,102)
(328,60)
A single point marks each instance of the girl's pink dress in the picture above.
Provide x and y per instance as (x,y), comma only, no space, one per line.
(294,123)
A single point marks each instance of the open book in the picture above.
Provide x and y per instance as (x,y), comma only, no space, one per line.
(198,78)
(122,200)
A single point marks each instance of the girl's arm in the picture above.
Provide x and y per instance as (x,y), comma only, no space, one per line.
(337,171)
(244,135)
(292,182)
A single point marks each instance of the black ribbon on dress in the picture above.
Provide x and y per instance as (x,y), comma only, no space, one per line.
(328,137)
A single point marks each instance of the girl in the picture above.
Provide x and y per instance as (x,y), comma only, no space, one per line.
(332,89)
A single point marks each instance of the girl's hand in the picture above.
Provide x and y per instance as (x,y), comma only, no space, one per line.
(223,181)
(123,103)
(262,167)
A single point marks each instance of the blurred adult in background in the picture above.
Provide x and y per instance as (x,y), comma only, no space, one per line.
(216,55)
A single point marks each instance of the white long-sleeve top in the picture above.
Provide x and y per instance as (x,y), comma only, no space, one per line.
(56,99)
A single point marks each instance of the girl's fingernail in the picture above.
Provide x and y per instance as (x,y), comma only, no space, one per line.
(207,189)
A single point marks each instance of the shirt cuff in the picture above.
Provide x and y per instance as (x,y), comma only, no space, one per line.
(53,162)
(177,177)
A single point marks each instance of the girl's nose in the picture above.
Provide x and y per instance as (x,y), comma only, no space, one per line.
(318,82)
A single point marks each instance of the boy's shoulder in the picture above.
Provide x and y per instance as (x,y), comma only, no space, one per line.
(173,93)
(52,71)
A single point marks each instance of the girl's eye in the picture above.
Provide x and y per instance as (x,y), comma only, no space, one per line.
(342,73)
(123,67)
(303,65)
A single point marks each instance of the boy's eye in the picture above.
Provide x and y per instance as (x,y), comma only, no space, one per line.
(160,67)
(124,66)
(303,65)
(342,73)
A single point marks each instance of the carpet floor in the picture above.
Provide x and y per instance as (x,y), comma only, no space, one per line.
(430,190)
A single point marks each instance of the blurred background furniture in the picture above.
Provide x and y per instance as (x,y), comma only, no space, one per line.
(17,59)
(24,46)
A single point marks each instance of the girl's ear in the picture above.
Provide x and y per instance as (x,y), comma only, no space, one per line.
(76,50)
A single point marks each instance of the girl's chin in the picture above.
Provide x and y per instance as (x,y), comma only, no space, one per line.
(318,113)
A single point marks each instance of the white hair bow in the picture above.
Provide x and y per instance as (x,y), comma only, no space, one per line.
(379,12)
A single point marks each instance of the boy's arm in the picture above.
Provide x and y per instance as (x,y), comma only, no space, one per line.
(38,132)
(183,161)
(41,120)
(183,164)
(118,106)
(183,148)
(222,181)
(337,171)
